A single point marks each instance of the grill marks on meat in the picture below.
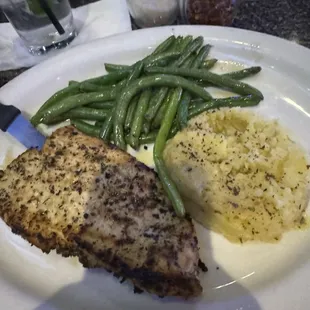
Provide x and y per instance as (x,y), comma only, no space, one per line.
(84,198)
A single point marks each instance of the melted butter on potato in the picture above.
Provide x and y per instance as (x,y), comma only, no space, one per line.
(240,175)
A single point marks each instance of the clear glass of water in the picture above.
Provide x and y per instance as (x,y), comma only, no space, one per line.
(42,24)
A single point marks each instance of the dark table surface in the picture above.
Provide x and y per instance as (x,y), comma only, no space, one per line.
(289,19)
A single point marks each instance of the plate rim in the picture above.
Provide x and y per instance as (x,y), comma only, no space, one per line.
(282,44)
(285,47)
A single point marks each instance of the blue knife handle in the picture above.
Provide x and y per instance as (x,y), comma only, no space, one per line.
(8,113)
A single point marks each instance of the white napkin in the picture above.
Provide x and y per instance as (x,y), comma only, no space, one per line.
(93,21)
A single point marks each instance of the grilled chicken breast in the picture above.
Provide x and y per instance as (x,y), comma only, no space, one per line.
(88,199)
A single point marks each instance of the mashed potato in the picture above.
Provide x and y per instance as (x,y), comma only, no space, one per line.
(240,175)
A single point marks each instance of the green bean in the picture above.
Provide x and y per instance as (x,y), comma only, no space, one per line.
(230,102)
(114,89)
(163,57)
(145,138)
(146,127)
(159,146)
(166,80)
(203,53)
(161,63)
(86,128)
(196,61)
(174,46)
(88,114)
(191,48)
(79,113)
(149,60)
(121,84)
(137,68)
(136,127)
(102,105)
(216,79)
(177,45)
(180,38)
(110,78)
(73,83)
(196,101)
(56,120)
(154,55)
(131,113)
(209,63)
(140,84)
(171,47)
(107,127)
(91,87)
(184,42)
(162,110)
(58,96)
(94,130)
(173,131)
(76,101)
(244,101)
(114,67)
(238,75)
(154,107)
(182,115)
(99,124)
(165,45)
(188,62)
(148,138)
(135,73)
(244,73)
(156,103)
(159,97)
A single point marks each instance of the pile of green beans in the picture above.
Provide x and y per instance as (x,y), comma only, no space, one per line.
(149,101)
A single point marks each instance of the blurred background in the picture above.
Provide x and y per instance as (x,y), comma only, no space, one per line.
(89,20)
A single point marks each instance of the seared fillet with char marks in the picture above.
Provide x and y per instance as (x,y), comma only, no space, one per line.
(88,199)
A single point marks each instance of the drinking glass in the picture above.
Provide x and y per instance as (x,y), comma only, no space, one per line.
(42,24)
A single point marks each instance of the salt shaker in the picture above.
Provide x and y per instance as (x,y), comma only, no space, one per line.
(151,13)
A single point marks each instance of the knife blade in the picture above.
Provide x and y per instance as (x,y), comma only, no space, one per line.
(14,123)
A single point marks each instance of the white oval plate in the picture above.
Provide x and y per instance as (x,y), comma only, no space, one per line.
(250,276)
